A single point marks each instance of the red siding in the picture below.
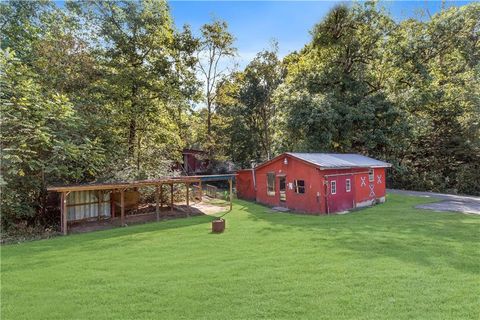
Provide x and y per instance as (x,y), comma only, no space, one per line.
(362,187)
(244,185)
(317,197)
(295,170)
(379,182)
(342,200)
(366,190)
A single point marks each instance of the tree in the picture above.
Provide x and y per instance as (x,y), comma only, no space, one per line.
(40,143)
(22,26)
(333,97)
(246,99)
(435,80)
(67,81)
(149,76)
(216,45)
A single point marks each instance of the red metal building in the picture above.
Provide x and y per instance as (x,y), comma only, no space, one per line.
(315,182)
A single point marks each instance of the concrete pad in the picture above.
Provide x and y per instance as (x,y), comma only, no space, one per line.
(452,205)
(451,202)
(281,209)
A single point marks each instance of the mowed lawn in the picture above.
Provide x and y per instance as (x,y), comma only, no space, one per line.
(386,262)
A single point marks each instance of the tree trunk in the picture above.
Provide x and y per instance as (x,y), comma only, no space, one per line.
(133,121)
(266,136)
(209,117)
(209,134)
(138,156)
(131,136)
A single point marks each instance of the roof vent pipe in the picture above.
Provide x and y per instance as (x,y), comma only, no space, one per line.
(253,175)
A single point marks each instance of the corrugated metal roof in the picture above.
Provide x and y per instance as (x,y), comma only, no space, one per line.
(339,160)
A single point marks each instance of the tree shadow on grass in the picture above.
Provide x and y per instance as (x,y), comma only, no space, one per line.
(394,229)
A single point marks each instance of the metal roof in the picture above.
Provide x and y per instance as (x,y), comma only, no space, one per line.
(141,183)
(340,160)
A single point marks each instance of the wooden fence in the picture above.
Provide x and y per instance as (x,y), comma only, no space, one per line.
(211,191)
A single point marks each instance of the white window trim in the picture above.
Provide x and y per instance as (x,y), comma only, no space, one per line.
(371,175)
(348,186)
(333,187)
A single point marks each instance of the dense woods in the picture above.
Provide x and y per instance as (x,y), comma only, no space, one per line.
(103,91)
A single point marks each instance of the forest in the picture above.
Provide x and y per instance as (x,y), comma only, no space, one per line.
(113,91)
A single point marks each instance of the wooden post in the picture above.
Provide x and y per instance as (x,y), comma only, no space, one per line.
(171,197)
(157,208)
(64,213)
(112,203)
(122,207)
(61,212)
(200,190)
(161,195)
(100,200)
(231,194)
(188,193)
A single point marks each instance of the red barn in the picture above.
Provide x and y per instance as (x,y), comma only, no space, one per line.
(194,162)
(315,182)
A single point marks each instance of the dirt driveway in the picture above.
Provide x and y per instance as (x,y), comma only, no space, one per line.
(447,202)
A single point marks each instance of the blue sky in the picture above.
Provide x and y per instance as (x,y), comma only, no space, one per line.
(255,23)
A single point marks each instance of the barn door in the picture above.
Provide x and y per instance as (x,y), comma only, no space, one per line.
(340,193)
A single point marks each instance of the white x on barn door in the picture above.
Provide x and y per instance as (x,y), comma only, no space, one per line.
(363,181)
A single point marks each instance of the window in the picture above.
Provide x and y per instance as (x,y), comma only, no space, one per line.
(371,176)
(333,187)
(348,185)
(271,184)
(300,186)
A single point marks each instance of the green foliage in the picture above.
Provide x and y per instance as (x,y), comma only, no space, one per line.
(148,68)
(437,83)
(40,142)
(332,96)
(245,104)
(98,91)
(215,51)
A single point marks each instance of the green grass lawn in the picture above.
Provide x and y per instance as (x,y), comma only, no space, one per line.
(386,262)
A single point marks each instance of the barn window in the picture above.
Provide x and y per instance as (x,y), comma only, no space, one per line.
(333,187)
(371,176)
(300,186)
(271,184)
(348,185)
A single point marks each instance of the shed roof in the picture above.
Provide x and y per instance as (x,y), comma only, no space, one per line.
(140,183)
(340,160)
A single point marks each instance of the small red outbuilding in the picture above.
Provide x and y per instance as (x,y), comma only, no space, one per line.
(315,182)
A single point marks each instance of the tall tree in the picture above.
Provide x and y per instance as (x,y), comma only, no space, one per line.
(247,100)
(216,46)
(332,97)
(149,75)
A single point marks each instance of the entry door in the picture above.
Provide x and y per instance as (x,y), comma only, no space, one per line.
(282,189)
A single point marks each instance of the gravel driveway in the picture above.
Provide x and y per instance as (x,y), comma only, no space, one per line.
(447,202)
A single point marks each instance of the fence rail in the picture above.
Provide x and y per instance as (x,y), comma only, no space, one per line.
(211,191)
